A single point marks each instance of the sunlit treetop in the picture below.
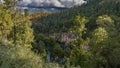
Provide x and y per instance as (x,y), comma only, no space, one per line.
(99,35)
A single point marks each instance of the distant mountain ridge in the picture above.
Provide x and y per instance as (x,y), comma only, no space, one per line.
(33,10)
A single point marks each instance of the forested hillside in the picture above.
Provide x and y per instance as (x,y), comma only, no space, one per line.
(86,36)
(36,15)
(82,35)
(62,20)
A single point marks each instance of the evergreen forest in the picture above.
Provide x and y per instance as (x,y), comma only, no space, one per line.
(86,36)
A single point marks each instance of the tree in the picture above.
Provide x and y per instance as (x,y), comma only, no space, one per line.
(79,55)
(79,25)
(99,37)
(18,56)
(39,45)
(6,23)
(16,27)
(107,22)
(105,43)
(23,31)
(26,12)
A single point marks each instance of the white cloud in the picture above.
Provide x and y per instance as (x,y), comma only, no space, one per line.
(51,3)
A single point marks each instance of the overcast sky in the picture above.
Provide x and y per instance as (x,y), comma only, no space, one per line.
(51,3)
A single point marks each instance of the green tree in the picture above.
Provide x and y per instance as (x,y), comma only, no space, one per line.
(107,22)
(23,31)
(18,56)
(54,48)
(6,23)
(105,43)
(79,25)
(79,54)
(14,25)
(39,45)
(99,37)
(26,12)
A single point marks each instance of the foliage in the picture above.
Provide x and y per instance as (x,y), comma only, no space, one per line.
(62,21)
(79,53)
(39,45)
(99,35)
(104,42)
(5,20)
(17,29)
(92,38)
(97,41)
(18,57)
(21,57)
(23,31)
(79,25)
(36,15)
(26,12)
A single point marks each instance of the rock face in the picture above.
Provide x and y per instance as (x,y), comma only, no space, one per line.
(64,37)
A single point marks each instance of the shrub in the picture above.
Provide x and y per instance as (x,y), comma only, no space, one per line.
(18,57)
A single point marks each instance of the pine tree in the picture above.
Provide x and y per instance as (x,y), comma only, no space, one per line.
(15,24)
(6,23)
(79,54)
(26,12)
(23,31)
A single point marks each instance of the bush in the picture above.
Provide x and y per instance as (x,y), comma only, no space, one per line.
(18,57)
(21,57)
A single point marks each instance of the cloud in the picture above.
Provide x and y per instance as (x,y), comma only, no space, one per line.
(51,3)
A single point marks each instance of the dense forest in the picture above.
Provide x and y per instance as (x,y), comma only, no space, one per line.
(86,36)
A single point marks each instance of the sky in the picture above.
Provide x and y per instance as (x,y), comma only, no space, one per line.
(51,3)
